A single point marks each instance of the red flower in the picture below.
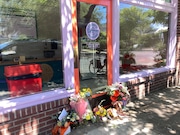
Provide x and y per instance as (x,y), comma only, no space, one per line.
(116,93)
(113,98)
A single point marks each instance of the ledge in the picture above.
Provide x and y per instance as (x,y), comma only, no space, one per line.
(8,105)
(143,73)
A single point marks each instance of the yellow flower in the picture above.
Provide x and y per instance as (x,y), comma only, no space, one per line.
(101,111)
(105,112)
(98,113)
(82,94)
(88,117)
(83,90)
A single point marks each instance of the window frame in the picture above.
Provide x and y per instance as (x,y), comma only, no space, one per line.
(16,103)
(10,105)
(171,52)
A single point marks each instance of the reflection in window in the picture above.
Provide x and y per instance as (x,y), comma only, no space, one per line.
(169,1)
(143,38)
(30,47)
(92,53)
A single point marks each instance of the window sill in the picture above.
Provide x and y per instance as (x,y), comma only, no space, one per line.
(143,73)
(8,105)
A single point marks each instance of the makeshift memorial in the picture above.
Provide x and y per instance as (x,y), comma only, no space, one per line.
(81,112)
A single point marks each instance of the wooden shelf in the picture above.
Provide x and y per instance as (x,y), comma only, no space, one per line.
(28,61)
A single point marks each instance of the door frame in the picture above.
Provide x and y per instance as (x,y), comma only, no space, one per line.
(108,4)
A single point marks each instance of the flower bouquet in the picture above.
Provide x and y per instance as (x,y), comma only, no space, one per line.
(63,124)
(86,92)
(80,103)
(73,118)
(89,115)
(119,95)
(99,111)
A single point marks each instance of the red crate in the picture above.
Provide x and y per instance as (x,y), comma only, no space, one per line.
(23,79)
(19,70)
(26,86)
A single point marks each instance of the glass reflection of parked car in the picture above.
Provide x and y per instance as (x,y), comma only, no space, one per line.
(31,49)
(47,53)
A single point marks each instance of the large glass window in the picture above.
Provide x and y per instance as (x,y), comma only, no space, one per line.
(30,47)
(143,38)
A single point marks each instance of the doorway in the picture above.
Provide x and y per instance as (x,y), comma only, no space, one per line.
(94,43)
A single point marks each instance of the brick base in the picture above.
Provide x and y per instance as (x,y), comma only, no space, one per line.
(35,120)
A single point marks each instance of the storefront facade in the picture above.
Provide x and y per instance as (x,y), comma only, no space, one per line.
(64,49)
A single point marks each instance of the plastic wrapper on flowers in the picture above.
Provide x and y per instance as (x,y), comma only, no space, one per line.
(79,106)
(80,103)
(89,115)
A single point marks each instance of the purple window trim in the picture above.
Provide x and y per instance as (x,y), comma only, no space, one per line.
(68,53)
(156,5)
(166,7)
(143,73)
(10,105)
(162,6)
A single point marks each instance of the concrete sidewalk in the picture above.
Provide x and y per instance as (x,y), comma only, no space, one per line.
(157,114)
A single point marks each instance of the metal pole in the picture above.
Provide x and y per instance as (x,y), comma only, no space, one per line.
(93,58)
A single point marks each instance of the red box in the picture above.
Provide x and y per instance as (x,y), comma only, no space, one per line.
(23,79)
(18,70)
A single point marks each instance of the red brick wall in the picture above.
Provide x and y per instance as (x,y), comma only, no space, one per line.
(141,87)
(35,120)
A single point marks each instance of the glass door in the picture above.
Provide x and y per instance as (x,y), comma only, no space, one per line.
(93,40)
